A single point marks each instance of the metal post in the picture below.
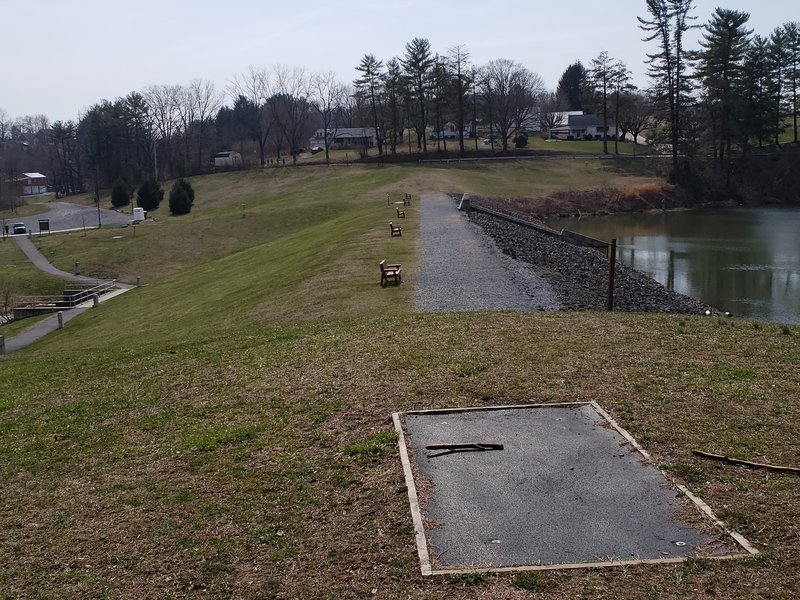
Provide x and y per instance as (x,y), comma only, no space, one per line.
(77,268)
(97,198)
(138,281)
(2,345)
(95,300)
(60,320)
(612,261)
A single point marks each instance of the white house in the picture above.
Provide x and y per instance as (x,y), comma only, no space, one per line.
(585,126)
(534,123)
(450,131)
(345,137)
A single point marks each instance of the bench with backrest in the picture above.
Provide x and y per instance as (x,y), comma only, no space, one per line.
(395,229)
(390,273)
(401,214)
(407,200)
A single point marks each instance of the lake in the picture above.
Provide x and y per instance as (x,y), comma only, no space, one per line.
(742,260)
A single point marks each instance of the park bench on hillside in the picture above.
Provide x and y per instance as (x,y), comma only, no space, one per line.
(407,200)
(395,229)
(390,273)
(401,214)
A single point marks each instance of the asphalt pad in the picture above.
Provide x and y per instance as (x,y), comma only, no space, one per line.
(567,488)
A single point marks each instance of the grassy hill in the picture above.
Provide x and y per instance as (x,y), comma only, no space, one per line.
(226,428)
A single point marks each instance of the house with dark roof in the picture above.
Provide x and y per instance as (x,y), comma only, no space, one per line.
(583,126)
(345,137)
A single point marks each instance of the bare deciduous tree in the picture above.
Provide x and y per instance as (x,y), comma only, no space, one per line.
(164,103)
(256,87)
(511,91)
(328,96)
(551,114)
(291,106)
(206,101)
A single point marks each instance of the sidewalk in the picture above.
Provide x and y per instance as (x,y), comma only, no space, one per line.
(50,324)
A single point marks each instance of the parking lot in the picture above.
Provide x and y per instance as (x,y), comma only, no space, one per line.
(64,216)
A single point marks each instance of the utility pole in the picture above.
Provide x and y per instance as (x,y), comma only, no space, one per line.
(97,198)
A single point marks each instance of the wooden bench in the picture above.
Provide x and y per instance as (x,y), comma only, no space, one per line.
(395,229)
(401,214)
(407,200)
(390,273)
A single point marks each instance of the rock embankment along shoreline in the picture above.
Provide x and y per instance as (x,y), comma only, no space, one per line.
(580,275)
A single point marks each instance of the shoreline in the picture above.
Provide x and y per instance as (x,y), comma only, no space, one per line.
(579,275)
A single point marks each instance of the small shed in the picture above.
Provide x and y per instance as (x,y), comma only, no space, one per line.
(227,159)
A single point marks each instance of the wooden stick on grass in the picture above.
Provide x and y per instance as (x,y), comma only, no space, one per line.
(747,463)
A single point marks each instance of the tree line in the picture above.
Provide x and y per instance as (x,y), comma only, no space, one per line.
(736,92)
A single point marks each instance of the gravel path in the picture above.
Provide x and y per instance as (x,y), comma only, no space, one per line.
(462,269)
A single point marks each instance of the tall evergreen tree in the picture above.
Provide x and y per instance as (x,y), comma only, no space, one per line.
(572,86)
(369,86)
(603,76)
(779,66)
(668,23)
(393,84)
(417,63)
(756,94)
(719,68)
(458,63)
(792,35)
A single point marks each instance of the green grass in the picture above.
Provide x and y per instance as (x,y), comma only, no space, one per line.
(30,207)
(20,277)
(226,428)
(278,202)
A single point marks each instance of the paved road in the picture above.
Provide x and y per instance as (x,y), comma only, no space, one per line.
(462,269)
(64,216)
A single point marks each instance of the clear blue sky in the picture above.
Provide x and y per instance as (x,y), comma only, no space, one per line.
(59,57)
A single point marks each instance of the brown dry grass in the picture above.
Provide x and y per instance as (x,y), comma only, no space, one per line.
(243,447)
(261,463)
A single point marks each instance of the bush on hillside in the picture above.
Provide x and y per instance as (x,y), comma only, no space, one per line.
(150,195)
(181,197)
(120,194)
(521,140)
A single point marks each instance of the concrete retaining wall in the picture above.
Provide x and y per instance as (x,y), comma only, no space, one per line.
(574,238)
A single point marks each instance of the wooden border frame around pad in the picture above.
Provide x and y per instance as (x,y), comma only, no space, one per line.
(419,529)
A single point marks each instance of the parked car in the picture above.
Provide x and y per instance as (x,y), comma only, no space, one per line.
(18,228)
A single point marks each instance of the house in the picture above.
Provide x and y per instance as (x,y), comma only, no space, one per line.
(585,127)
(227,159)
(450,131)
(32,183)
(534,123)
(345,137)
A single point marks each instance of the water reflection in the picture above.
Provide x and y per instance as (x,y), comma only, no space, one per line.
(743,260)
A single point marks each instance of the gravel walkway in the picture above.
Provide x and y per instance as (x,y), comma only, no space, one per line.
(462,269)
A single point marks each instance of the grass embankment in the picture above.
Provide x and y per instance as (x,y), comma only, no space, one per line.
(281,201)
(227,430)
(18,277)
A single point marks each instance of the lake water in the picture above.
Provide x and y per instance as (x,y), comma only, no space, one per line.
(742,260)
